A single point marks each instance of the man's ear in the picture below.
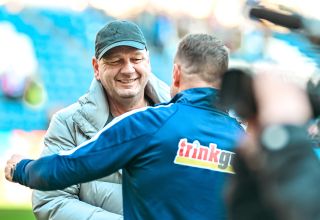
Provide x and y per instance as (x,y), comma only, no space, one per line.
(95,66)
(176,75)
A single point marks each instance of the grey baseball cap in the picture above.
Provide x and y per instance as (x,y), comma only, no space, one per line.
(119,33)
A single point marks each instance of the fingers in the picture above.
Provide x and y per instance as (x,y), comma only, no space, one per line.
(280,102)
(10,166)
(8,170)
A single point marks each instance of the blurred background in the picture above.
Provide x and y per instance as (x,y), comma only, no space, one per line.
(46,49)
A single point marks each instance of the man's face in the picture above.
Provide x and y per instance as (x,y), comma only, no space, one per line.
(124,72)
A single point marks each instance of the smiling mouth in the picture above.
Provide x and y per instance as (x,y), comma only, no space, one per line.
(126,81)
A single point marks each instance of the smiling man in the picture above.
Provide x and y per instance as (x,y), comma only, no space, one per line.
(123,81)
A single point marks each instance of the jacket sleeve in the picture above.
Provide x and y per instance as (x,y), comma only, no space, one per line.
(64,204)
(125,140)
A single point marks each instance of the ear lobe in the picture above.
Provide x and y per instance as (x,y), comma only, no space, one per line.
(176,75)
(95,66)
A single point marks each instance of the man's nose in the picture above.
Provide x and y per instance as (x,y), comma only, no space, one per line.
(128,67)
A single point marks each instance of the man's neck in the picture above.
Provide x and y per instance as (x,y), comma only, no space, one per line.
(119,108)
(196,82)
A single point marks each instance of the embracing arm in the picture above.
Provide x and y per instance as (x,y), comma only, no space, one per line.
(87,162)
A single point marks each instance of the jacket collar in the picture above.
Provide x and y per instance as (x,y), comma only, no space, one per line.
(202,97)
(94,110)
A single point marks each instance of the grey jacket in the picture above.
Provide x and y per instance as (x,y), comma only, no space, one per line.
(100,199)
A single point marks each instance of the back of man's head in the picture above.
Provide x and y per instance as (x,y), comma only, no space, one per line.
(204,56)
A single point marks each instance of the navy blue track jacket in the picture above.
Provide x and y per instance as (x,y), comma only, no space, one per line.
(175,159)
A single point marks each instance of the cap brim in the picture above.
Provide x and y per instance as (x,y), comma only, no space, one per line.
(134,44)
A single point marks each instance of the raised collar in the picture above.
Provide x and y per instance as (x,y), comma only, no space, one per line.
(94,110)
(204,97)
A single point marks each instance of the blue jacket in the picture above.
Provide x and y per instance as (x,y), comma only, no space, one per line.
(175,159)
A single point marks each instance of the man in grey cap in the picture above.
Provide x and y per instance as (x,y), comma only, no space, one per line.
(122,82)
